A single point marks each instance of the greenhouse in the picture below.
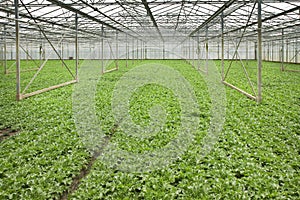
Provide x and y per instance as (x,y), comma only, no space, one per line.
(149,99)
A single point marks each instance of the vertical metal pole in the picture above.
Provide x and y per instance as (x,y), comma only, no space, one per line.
(255,51)
(137,50)
(76,47)
(11,52)
(282,49)
(133,51)
(90,52)
(228,50)
(164,51)
(102,49)
(222,43)
(5,52)
(40,53)
(110,53)
(43,51)
(27,54)
(287,51)
(18,76)
(117,50)
(2,52)
(127,51)
(247,52)
(296,51)
(218,51)
(100,44)
(142,50)
(184,52)
(206,49)
(263,52)
(145,51)
(40,49)
(68,53)
(198,51)
(237,48)
(62,52)
(272,51)
(189,49)
(259,49)
(193,52)
(268,54)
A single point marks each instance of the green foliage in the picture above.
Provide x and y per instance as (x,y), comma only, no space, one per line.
(41,160)
(256,156)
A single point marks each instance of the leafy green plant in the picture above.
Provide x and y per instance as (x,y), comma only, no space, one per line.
(256,156)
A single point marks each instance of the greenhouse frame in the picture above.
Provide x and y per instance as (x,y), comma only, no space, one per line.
(149,99)
(262,30)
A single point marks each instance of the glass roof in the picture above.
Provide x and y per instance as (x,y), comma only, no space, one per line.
(150,19)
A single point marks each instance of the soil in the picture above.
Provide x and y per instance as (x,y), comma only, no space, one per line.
(6,133)
(87,168)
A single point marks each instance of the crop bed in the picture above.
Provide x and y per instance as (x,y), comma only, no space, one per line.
(256,156)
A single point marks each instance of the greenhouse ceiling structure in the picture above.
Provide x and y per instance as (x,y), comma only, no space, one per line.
(149,29)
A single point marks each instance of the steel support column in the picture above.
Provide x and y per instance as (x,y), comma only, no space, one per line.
(296,51)
(194,51)
(5,52)
(268,54)
(189,49)
(198,51)
(102,49)
(26,49)
(228,50)
(76,47)
(61,52)
(282,50)
(40,49)
(222,44)
(247,52)
(133,51)
(145,51)
(259,52)
(272,51)
(142,50)
(255,51)
(164,51)
(18,75)
(137,50)
(206,49)
(218,51)
(127,51)
(287,51)
(117,50)
(11,52)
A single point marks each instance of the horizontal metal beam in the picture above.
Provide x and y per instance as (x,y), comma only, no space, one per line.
(240,90)
(46,21)
(23,96)
(213,16)
(110,18)
(266,19)
(152,18)
(263,20)
(74,10)
(173,2)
